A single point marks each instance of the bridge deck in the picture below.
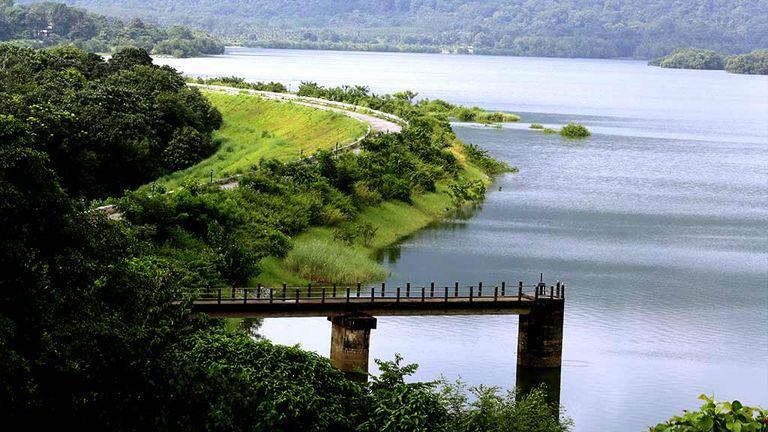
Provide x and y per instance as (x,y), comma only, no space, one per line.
(327,301)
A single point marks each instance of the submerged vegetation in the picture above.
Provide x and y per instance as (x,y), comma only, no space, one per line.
(572,130)
(754,63)
(49,24)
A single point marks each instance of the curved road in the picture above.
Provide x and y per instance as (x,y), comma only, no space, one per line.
(378,120)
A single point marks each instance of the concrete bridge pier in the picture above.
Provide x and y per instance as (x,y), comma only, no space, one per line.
(350,341)
(540,347)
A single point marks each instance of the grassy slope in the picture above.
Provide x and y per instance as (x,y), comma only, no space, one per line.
(256,128)
(394,220)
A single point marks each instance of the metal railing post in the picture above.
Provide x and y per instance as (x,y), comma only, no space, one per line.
(219,296)
(480,289)
(503,288)
(322,296)
(431,289)
(471,291)
(520,291)
(495,293)
(398,295)
(347,294)
(422,294)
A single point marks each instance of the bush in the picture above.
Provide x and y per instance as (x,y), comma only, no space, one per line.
(717,416)
(536,126)
(572,130)
(755,63)
(549,131)
(691,58)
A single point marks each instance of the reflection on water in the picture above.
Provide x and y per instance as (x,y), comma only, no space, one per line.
(456,220)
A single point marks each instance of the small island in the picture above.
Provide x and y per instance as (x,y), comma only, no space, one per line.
(754,63)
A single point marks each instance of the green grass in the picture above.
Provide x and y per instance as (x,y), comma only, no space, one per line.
(256,128)
(317,257)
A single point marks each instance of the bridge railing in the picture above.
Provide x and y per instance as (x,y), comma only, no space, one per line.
(384,293)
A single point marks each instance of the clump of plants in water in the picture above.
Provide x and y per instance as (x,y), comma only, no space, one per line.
(488,164)
(536,126)
(572,130)
(549,131)
(717,416)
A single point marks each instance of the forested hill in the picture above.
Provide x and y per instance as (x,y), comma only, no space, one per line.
(48,24)
(570,28)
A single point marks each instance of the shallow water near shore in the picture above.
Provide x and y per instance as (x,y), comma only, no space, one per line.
(658,223)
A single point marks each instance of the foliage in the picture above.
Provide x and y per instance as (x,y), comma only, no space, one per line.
(258,129)
(488,164)
(106,126)
(333,262)
(95,325)
(491,412)
(48,24)
(464,191)
(237,82)
(717,417)
(572,130)
(403,407)
(556,28)
(755,63)
(691,58)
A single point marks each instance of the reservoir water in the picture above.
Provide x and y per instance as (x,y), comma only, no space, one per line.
(658,223)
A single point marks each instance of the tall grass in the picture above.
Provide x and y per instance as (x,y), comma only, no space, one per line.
(330,261)
(256,128)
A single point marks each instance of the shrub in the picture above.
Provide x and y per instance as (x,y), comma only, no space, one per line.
(572,130)
(549,131)
(536,126)
(717,416)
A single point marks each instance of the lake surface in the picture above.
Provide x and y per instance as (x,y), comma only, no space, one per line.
(658,223)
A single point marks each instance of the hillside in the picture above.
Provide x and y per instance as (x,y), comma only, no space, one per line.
(49,24)
(565,28)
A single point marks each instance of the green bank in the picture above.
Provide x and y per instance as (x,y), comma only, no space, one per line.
(255,129)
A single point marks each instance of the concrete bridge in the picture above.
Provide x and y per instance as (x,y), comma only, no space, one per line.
(352,311)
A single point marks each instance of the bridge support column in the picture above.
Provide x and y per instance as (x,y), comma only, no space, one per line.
(540,348)
(350,339)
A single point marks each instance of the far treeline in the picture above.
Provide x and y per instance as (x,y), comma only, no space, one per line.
(644,29)
(754,63)
(49,24)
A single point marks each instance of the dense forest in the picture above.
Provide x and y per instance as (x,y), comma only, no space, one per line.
(50,24)
(754,63)
(571,28)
